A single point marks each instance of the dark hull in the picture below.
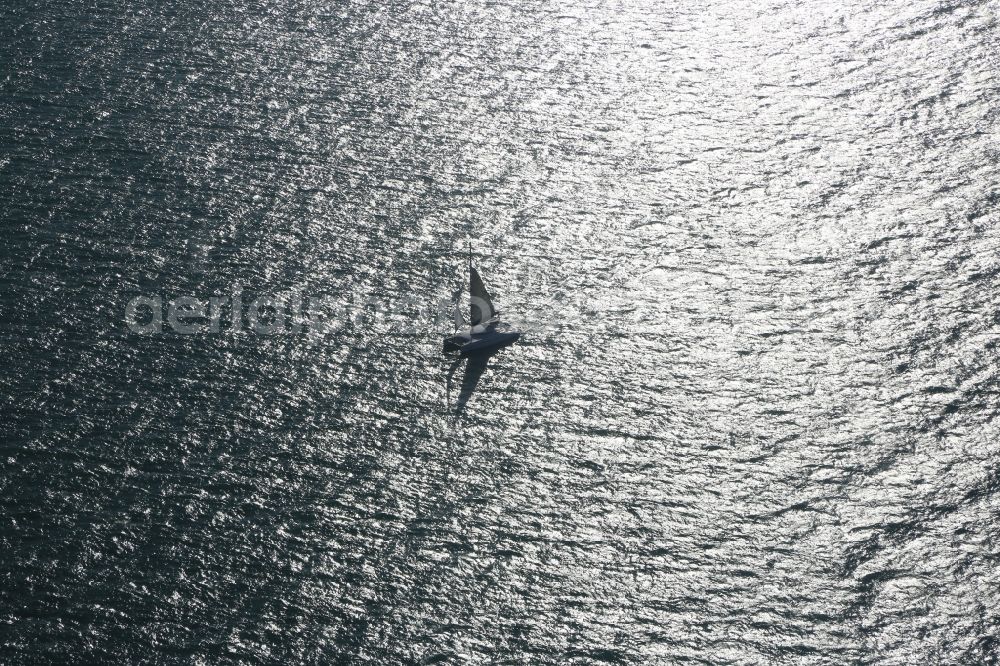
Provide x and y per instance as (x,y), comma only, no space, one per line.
(481,342)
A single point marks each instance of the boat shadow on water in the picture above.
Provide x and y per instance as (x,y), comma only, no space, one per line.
(475,366)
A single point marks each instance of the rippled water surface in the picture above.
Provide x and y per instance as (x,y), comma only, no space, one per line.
(754,248)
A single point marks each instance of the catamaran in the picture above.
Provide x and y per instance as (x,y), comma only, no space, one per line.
(486,331)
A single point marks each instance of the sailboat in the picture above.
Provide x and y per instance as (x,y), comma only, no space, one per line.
(486,331)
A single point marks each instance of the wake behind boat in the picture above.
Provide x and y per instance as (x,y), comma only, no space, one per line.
(487,331)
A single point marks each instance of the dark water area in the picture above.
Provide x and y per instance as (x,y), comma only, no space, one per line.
(753,248)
